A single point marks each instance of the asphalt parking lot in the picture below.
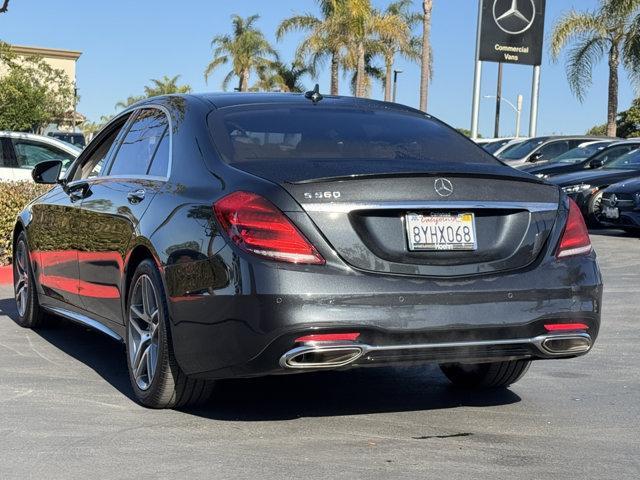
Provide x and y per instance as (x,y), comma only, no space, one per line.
(66,412)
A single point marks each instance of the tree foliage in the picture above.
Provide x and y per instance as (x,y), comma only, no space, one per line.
(163,86)
(628,123)
(246,49)
(613,30)
(32,93)
(277,76)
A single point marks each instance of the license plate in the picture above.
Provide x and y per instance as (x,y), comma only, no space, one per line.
(611,212)
(441,231)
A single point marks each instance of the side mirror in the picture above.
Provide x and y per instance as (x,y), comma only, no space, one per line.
(534,157)
(47,172)
(596,163)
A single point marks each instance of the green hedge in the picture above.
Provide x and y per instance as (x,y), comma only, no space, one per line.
(13,197)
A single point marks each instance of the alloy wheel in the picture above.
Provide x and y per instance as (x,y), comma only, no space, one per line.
(21,280)
(143,332)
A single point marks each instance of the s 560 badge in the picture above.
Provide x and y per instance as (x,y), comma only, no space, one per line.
(321,195)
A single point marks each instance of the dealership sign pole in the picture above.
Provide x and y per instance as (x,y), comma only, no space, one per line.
(509,31)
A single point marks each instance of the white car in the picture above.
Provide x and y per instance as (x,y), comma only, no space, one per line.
(20,152)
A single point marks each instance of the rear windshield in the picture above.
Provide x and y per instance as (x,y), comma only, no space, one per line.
(299,133)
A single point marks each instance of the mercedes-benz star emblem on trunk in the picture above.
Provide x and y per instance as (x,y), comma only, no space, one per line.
(443,187)
(514,16)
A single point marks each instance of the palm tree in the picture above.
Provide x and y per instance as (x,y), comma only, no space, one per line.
(325,39)
(425,68)
(278,76)
(372,73)
(401,21)
(612,30)
(165,86)
(129,101)
(246,49)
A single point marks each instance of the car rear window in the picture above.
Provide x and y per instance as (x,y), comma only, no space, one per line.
(302,133)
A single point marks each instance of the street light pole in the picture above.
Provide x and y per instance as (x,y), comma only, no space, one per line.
(395,83)
(496,130)
(517,109)
(518,114)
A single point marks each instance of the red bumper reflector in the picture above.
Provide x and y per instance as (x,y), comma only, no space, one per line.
(328,337)
(560,327)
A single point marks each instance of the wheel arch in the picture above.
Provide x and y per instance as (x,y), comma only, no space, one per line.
(141,250)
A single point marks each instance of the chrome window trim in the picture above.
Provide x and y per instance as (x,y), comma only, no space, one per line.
(131,119)
(348,207)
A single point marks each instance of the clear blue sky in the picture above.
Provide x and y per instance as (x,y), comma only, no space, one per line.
(125,43)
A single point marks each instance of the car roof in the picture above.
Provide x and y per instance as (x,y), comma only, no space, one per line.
(628,141)
(232,99)
(42,139)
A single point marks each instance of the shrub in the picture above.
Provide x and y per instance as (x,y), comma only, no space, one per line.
(13,197)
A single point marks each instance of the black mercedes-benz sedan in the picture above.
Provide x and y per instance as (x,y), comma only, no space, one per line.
(621,205)
(240,235)
(586,187)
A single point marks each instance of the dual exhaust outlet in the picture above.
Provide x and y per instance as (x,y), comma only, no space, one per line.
(319,355)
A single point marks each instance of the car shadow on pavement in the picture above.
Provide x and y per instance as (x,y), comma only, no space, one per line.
(285,397)
(104,355)
(352,392)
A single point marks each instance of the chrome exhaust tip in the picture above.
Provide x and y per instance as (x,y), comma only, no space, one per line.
(566,344)
(319,356)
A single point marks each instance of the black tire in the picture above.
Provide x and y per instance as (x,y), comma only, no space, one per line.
(485,375)
(632,230)
(169,386)
(30,313)
(594,211)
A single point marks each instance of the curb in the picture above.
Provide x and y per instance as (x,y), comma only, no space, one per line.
(6,275)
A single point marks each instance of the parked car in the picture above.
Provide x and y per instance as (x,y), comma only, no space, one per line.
(74,138)
(492,145)
(621,205)
(239,235)
(20,152)
(509,145)
(586,187)
(588,155)
(541,149)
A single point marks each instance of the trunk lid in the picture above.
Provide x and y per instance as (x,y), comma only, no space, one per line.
(362,216)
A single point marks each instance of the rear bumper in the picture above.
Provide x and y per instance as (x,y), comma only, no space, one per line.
(245,325)
(320,355)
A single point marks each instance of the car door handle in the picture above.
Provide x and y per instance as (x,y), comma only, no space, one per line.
(136,196)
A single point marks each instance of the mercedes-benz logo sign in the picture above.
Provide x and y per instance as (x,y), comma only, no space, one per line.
(514,16)
(613,200)
(443,187)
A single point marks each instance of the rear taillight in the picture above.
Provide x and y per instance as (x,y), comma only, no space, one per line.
(257,226)
(575,238)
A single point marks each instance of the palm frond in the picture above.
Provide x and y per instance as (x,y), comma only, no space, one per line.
(299,22)
(580,62)
(215,63)
(574,25)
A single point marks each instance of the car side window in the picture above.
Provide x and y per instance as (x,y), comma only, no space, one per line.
(614,153)
(29,153)
(94,164)
(4,154)
(554,149)
(160,163)
(139,145)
